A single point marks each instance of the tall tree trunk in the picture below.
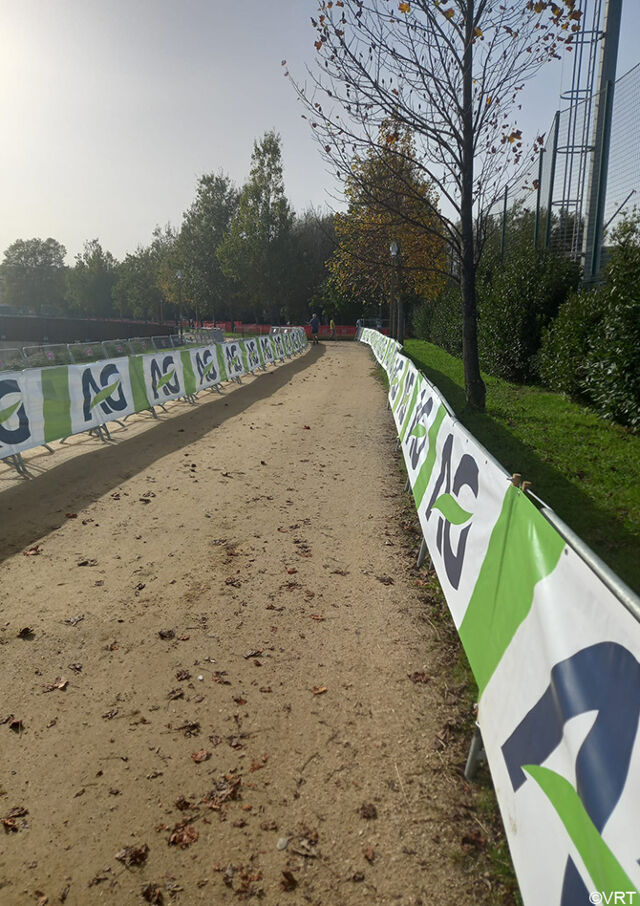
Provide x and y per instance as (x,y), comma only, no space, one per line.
(474,385)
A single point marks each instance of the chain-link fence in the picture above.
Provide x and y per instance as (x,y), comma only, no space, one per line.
(571,197)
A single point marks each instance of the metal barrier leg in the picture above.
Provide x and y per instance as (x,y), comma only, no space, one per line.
(475,756)
(17,462)
(50,449)
(407,484)
(422,554)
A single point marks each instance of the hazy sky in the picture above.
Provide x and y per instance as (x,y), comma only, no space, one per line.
(110,110)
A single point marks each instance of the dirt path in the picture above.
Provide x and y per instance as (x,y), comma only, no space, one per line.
(235,616)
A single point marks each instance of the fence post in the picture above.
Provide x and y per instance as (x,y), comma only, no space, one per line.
(504,222)
(536,230)
(593,265)
(552,177)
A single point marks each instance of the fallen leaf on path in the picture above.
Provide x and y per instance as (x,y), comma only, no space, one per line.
(233,580)
(133,855)
(317,617)
(306,428)
(219,676)
(252,652)
(265,689)
(9,820)
(339,572)
(201,756)
(319,690)
(183,804)
(386,580)
(268,826)
(73,621)
(419,677)
(151,892)
(175,694)
(284,531)
(227,788)
(183,835)
(109,715)
(16,725)
(258,765)
(369,853)
(358,876)
(26,633)
(71,515)
(368,810)
(183,675)
(291,570)
(33,551)
(87,562)
(288,881)
(190,728)
(59,683)
(167,633)
(75,667)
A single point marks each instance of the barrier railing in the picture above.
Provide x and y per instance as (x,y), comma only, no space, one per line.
(39,405)
(554,653)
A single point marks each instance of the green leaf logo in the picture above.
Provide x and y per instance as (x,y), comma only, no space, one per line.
(207,371)
(166,378)
(8,412)
(451,510)
(418,431)
(106,392)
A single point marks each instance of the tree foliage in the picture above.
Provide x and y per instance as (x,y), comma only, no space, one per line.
(90,282)
(388,200)
(255,250)
(33,275)
(450,72)
(204,227)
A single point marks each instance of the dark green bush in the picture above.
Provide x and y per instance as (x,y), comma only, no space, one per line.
(517,298)
(440,320)
(592,349)
(565,342)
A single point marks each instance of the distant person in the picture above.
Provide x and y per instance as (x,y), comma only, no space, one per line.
(378,324)
(332,328)
(315,327)
(358,324)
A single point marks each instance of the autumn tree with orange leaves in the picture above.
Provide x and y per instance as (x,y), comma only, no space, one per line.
(450,71)
(388,201)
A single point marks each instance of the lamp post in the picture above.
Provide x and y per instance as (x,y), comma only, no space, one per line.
(179,279)
(394,248)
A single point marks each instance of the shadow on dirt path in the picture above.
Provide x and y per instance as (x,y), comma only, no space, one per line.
(34,507)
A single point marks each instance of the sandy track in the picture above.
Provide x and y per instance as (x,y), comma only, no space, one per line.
(261,530)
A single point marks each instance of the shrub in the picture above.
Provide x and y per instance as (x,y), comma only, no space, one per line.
(517,299)
(440,320)
(593,347)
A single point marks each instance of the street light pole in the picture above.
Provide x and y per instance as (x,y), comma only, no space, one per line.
(179,279)
(394,248)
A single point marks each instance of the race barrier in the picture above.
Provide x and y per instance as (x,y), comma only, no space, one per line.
(41,405)
(554,652)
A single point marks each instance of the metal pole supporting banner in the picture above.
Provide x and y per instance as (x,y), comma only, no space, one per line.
(552,178)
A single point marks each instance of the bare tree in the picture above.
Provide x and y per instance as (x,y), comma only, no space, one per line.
(450,72)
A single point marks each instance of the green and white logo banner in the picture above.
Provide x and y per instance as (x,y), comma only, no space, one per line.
(163,376)
(253,354)
(555,655)
(40,405)
(205,367)
(266,348)
(99,392)
(21,411)
(233,359)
